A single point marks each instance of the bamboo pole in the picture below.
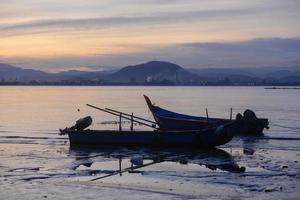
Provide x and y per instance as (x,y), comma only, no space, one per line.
(131,125)
(112,113)
(120,122)
(120,166)
(129,115)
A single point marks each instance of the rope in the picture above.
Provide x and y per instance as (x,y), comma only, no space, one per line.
(149,116)
(288,127)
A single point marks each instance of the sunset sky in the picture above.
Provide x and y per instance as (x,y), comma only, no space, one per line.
(55,35)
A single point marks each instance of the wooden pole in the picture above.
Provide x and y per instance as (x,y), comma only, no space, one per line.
(131,125)
(120,122)
(129,115)
(112,113)
(206,113)
(120,166)
(230,113)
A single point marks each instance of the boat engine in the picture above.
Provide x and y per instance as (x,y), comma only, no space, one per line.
(250,124)
(250,115)
(82,123)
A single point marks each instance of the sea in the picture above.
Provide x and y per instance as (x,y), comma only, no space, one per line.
(38,163)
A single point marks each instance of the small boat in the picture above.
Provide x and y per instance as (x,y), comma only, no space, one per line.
(247,124)
(204,138)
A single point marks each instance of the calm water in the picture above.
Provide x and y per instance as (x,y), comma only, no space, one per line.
(38,163)
(43,110)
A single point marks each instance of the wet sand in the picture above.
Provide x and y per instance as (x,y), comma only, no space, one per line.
(34,169)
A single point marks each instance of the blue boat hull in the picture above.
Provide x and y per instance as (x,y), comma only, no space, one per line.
(244,125)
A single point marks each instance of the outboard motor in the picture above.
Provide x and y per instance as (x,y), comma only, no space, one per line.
(250,124)
(82,123)
(250,116)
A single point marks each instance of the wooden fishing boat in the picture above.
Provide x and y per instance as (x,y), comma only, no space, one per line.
(192,138)
(248,124)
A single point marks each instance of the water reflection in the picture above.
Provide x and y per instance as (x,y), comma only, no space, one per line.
(249,145)
(136,159)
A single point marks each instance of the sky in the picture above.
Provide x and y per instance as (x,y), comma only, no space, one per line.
(58,35)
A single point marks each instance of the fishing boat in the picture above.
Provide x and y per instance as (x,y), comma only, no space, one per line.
(201,138)
(246,124)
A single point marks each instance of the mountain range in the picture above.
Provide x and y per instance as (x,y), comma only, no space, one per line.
(152,73)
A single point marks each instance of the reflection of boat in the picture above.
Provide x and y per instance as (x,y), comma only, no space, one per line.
(168,120)
(211,137)
(211,158)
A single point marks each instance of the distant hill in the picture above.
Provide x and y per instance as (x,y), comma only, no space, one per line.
(152,73)
(83,76)
(220,73)
(12,73)
(249,75)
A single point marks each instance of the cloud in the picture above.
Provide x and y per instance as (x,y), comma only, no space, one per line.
(20,18)
(267,45)
(104,22)
(264,52)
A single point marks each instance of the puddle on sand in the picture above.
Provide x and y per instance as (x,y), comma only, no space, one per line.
(171,172)
(194,173)
(196,168)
